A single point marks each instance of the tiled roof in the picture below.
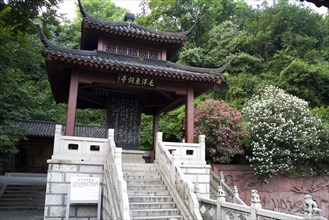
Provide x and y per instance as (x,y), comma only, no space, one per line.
(116,62)
(47,129)
(131,29)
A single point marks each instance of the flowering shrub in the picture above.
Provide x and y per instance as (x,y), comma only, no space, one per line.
(224,128)
(284,133)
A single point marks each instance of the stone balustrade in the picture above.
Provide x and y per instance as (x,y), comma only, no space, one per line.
(69,148)
(115,194)
(188,153)
(231,195)
(221,209)
(168,164)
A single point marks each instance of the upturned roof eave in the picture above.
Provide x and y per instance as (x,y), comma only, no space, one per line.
(108,61)
(131,69)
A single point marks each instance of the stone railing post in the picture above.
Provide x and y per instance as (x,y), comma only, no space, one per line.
(221,197)
(197,189)
(110,136)
(311,210)
(236,194)
(159,136)
(221,177)
(174,162)
(57,139)
(255,204)
(202,142)
(118,156)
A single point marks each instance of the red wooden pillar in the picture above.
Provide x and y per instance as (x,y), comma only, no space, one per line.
(189,115)
(72,104)
(156,122)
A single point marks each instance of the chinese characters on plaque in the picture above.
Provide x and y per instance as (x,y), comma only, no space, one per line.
(136,81)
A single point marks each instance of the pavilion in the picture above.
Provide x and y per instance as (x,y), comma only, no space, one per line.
(124,67)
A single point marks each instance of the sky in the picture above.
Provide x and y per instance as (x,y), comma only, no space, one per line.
(68,8)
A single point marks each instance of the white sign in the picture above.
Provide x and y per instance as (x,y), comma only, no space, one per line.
(84,189)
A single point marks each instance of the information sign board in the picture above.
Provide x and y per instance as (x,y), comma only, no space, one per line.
(84,189)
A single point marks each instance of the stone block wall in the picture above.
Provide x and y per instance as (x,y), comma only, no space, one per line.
(58,184)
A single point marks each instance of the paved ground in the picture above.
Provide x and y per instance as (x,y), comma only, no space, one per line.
(21,215)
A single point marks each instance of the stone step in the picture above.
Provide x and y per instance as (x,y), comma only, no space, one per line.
(154,212)
(141,177)
(144,199)
(143,182)
(177,217)
(147,187)
(23,197)
(22,205)
(160,205)
(138,167)
(149,193)
(149,197)
(21,208)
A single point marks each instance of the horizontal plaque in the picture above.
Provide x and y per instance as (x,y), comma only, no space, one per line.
(136,80)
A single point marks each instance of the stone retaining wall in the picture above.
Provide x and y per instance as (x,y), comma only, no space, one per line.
(282,193)
(58,184)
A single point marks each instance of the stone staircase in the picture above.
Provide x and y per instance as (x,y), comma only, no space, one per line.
(149,197)
(23,197)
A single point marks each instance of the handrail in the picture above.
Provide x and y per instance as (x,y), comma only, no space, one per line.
(118,193)
(230,195)
(221,209)
(169,163)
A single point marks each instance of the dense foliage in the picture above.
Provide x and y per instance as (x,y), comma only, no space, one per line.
(21,94)
(224,128)
(285,134)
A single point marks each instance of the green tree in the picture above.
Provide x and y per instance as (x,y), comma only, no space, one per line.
(23,13)
(222,43)
(277,28)
(180,15)
(307,81)
(105,10)
(18,56)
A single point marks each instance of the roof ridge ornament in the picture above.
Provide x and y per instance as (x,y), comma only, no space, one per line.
(129,17)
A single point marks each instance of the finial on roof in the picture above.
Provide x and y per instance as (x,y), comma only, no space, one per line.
(129,17)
